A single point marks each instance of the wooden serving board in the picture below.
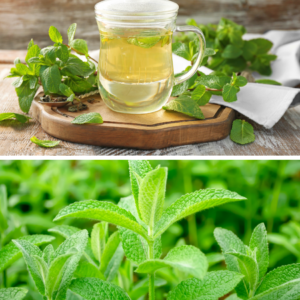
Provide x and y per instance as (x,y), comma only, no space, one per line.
(148,131)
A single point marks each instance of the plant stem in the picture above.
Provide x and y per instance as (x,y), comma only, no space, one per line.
(151,276)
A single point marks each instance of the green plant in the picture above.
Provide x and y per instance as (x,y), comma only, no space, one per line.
(13,293)
(55,68)
(142,220)
(233,54)
(252,261)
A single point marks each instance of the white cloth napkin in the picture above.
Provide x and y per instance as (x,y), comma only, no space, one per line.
(264,104)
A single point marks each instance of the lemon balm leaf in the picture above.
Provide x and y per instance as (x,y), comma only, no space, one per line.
(44,143)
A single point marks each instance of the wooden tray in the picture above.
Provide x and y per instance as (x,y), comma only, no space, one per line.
(149,131)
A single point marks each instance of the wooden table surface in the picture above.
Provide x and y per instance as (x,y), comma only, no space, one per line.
(282,139)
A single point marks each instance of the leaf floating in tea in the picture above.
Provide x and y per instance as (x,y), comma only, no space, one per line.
(44,143)
(185,105)
(242,132)
(18,117)
(144,42)
(90,118)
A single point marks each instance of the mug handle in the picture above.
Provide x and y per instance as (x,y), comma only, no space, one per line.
(195,66)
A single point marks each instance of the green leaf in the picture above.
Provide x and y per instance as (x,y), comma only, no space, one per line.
(228,242)
(182,50)
(249,50)
(98,239)
(80,46)
(71,32)
(62,53)
(78,67)
(18,117)
(192,203)
(268,81)
(259,243)
(182,87)
(214,286)
(198,92)
(93,288)
(242,132)
(51,78)
(55,274)
(30,44)
(86,269)
(141,168)
(280,281)
(144,42)
(10,253)
(25,95)
(185,105)
(114,264)
(13,293)
(55,35)
(33,82)
(29,250)
(263,45)
(41,266)
(231,52)
(90,118)
(152,196)
(44,143)
(50,56)
(249,268)
(48,254)
(77,241)
(102,211)
(65,90)
(204,99)
(71,98)
(229,93)
(241,81)
(213,81)
(188,259)
(18,82)
(236,39)
(22,69)
(78,85)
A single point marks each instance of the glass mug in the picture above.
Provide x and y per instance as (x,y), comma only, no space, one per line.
(135,67)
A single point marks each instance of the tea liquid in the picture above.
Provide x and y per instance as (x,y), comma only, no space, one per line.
(136,69)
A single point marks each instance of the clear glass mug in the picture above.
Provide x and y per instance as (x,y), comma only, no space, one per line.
(135,62)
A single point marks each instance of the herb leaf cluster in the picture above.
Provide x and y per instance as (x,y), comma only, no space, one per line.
(54,68)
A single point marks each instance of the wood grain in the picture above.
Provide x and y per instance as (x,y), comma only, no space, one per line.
(21,20)
(157,130)
(282,139)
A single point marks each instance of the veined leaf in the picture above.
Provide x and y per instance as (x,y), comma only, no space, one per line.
(213,286)
(141,168)
(42,267)
(111,247)
(242,132)
(29,251)
(249,268)
(55,35)
(71,32)
(98,239)
(90,118)
(152,196)
(78,241)
(10,253)
(80,46)
(44,143)
(93,288)
(48,254)
(260,243)
(86,269)
(12,293)
(192,203)
(51,78)
(229,242)
(55,274)
(114,264)
(187,259)
(102,211)
(281,278)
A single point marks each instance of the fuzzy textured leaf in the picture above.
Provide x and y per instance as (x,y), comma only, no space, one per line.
(86,269)
(12,293)
(10,253)
(102,211)
(214,285)
(98,239)
(192,203)
(260,243)
(188,259)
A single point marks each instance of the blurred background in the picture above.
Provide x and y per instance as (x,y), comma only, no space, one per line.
(37,190)
(21,20)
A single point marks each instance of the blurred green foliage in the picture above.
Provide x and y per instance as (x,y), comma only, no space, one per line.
(37,190)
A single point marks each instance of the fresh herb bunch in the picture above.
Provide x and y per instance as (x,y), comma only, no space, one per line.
(233,54)
(252,261)
(55,68)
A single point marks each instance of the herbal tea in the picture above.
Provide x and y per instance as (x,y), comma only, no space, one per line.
(136,69)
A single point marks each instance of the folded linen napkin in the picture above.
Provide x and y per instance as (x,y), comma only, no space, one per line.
(264,104)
